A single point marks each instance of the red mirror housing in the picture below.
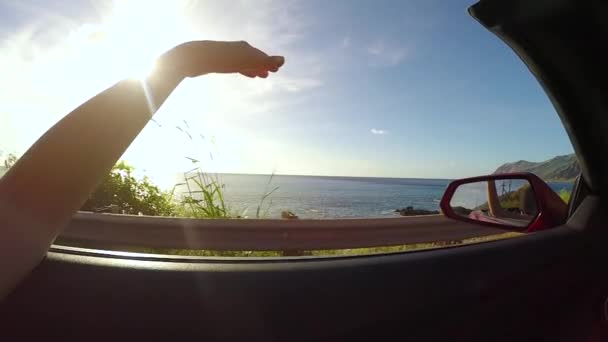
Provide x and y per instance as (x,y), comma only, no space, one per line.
(552,211)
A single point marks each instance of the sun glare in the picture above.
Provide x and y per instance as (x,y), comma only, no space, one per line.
(127,41)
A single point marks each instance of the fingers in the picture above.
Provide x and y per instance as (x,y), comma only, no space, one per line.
(271,64)
(248,73)
(276,61)
(254,62)
(257,63)
(254,73)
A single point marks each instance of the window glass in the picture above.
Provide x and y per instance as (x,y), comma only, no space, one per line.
(379,105)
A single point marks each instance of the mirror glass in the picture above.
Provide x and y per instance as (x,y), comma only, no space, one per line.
(509,202)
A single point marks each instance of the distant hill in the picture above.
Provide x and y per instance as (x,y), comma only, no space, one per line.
(557,168)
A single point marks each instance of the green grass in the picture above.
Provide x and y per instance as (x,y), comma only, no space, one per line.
(205,193)
(265,195)
(204,196)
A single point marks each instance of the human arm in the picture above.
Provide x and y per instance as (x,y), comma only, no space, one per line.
(48,184)
(494,206)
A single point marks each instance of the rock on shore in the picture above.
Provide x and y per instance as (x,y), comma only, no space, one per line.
(410,211)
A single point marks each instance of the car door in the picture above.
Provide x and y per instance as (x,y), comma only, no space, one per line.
(548,285)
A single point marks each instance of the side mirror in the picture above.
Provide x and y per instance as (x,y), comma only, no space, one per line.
(520,201)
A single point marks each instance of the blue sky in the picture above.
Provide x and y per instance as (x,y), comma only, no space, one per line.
(370,88)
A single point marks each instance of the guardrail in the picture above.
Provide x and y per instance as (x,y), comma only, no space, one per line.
(105,231)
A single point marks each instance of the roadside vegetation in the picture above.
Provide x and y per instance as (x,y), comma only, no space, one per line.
(120,192)
(202,194)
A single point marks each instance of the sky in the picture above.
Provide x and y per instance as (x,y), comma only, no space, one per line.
(404,88)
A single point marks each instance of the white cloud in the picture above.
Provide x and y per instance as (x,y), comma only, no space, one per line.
(377,131)
(386,54)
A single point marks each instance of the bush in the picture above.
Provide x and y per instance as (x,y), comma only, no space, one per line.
(132,196)
(203,196)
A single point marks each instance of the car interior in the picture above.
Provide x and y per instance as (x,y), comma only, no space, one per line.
(545,285)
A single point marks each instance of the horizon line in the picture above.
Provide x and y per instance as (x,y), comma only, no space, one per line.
(332,176)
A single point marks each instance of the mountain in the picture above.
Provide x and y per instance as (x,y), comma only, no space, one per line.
(558,168)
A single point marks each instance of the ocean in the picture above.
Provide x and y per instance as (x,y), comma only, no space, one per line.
(322,197)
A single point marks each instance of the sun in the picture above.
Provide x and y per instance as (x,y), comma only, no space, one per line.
(132,36)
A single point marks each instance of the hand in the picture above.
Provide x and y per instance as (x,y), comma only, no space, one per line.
(198,58)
